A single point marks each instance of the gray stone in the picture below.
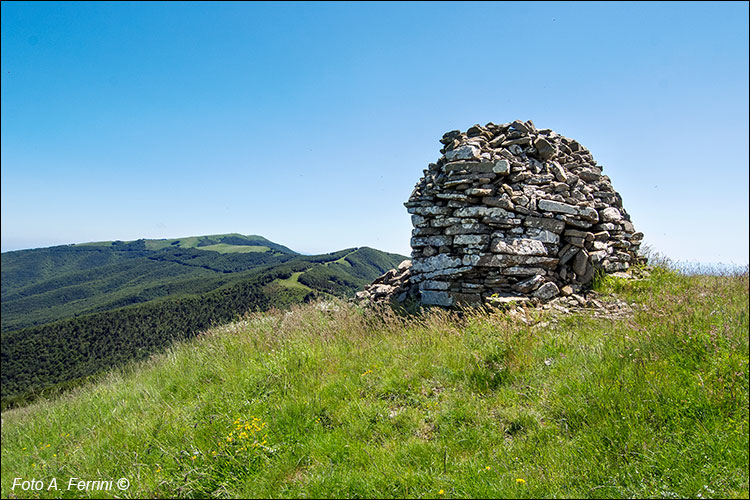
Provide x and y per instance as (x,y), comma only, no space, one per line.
(529,285)
(448,221)
(506,260)
(440,261)
(504,300)
(452,196)
(568,253)
(541,179)
(430,210)
(546,291)
(469,167)
(554,225)
(557,207)
(558,171)
(580,262)
(471,239)
(467,152)
(466,229)
(433,298)
(588,175)
(482,212)
(501,167)
(521,141)
(419,221)
(434,285)
(442,273)
(498,201)
(588,213)
(502,222)
(544,148)
(610,214)
(597,257)
(520,126)
(497,141)
(436,241)
(381,290)
(470,260)
(518,246)
(521,271)
(544,236)
(479,192)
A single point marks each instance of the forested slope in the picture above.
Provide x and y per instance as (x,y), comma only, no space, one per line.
(66,351)
(48,284)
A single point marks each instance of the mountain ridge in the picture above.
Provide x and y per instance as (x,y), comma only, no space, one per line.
(72,311)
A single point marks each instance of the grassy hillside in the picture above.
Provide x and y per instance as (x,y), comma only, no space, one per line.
(328,400)
(49,284)
(57,355)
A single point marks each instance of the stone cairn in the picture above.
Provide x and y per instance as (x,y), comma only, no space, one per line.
(512,211)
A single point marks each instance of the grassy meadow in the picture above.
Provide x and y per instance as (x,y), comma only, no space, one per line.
(331,400)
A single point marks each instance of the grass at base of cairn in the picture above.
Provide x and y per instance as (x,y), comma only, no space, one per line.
(333,401)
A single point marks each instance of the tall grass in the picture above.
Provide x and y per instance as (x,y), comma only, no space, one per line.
(330,400)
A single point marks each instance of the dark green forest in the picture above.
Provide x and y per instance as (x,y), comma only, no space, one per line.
(100,306)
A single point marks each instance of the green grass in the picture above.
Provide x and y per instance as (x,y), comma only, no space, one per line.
(199,242)
(226,248)
(293,282)
(341,402)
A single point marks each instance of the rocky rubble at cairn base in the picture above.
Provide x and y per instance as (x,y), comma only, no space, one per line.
(514,211)
(393,286)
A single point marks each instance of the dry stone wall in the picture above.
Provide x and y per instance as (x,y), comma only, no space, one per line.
(512,210)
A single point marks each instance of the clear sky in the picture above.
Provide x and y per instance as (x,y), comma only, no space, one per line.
(310,123)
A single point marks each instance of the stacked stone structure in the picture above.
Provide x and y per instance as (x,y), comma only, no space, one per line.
(512,210)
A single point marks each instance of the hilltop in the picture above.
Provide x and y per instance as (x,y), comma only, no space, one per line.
(49,284)
(331,400)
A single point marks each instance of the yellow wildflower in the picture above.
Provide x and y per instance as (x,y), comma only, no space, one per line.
(521,481)
(441,492)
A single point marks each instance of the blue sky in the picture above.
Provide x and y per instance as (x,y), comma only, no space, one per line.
(310,123)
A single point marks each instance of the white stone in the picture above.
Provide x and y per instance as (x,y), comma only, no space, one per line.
(471,239)
(434,285)
(519,246)
(502,167)
(432,298)
(610,214)
(547,291)
(482,212)
(438,262)
(467,152)
(544,236)
(558,207)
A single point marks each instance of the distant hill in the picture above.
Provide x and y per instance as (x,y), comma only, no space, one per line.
(48,284)
(72,311)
